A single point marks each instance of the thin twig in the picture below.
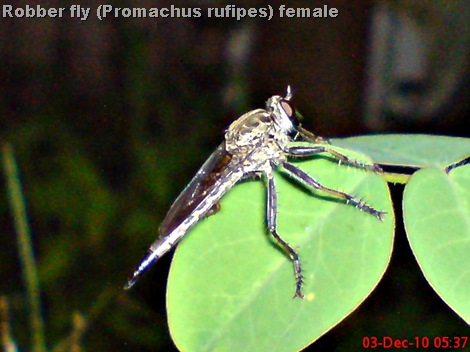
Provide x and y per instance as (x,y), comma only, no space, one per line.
(8,343)
(81,322)
(28,262)
(72,342)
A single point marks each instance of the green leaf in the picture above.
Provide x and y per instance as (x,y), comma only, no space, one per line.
(436,210)
(230,288)
(416,150)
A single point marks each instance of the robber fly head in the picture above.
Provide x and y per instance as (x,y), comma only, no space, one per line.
(282,111)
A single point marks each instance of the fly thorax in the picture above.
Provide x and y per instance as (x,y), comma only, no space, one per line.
(247,133)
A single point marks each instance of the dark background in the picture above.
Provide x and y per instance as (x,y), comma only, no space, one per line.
(110,119)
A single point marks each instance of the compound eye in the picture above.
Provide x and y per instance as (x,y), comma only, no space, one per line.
(289,110)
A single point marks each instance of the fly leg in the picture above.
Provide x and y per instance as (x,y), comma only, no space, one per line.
(305,151)
(308,136)
(271,214)
(307,179)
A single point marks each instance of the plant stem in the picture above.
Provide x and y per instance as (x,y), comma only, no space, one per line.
(28,262)
(8,343)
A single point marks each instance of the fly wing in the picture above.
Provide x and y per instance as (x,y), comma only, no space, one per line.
(196,190)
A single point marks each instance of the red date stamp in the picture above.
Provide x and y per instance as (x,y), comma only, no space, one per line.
(386,342)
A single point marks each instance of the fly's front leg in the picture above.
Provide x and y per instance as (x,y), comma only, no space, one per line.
(307,179)
(308,136)
(271,222)
(305,151)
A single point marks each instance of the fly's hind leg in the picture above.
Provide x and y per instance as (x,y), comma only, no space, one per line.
(271,215)
(214,209)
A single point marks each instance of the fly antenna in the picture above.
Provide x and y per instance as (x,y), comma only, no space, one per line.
(289,93)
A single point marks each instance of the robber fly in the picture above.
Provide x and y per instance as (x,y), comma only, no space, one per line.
(255,144)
